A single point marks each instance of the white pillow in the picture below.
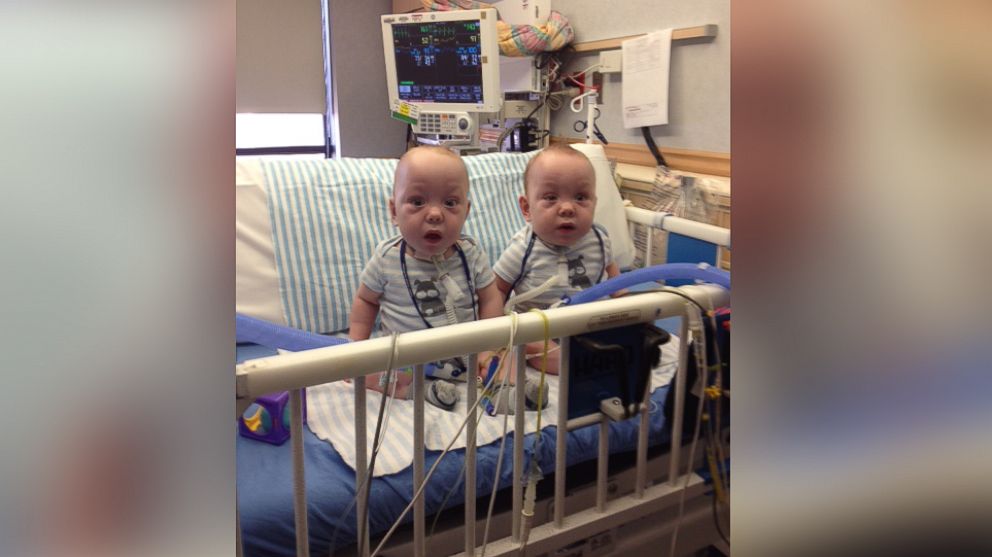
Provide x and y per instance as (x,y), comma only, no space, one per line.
(256,291)
(609,205)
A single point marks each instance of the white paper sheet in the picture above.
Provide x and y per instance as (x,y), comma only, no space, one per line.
(645,79)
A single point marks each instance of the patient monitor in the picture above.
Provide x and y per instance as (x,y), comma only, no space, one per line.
(442,71)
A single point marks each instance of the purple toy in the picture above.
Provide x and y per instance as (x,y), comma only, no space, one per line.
(257,422)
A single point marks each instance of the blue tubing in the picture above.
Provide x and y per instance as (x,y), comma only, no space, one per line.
(668,271)
(257,331)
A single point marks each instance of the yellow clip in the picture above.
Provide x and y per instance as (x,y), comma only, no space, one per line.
(712,392)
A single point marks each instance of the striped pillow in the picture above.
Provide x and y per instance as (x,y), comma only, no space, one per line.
(328,215)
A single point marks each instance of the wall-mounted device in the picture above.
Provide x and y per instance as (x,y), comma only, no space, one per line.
(442,70)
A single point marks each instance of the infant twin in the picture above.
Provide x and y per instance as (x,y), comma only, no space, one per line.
(432,275)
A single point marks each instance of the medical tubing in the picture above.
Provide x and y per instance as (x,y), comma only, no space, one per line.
(530,498)
(427,477)
(375,443)
(530,492)
(529,295)
(695,320)
(265,333)
(668,271)
(499,460)
(544,366)
(486,394)
(299,481)
(502,443)
(367,477)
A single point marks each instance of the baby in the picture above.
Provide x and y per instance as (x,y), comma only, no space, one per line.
(560,239)
(430,275)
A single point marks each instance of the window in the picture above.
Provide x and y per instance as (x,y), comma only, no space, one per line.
(282,134)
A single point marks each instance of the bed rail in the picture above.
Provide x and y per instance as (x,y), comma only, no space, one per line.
(296,371)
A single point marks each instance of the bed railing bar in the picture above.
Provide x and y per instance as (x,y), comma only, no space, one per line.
(677,414)
(353,359)
(593,419)
(418,459)
(547,538)
(641,472)
(561,433)
(239,548)
(632,229)
(299,479)
(648,246)
(361,459)
(699,230)
(604,461)
(470,456)
(518,445)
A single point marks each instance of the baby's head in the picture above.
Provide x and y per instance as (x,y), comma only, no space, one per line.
(559,195)
(430,199)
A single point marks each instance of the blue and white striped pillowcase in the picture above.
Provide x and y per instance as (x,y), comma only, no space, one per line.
(328,215)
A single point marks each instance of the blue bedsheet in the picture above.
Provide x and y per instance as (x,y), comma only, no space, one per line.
(264,480)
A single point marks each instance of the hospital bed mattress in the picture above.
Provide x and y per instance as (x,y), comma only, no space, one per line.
(265,495)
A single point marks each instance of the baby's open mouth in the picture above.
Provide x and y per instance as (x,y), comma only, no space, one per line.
(432,236)
(566,226)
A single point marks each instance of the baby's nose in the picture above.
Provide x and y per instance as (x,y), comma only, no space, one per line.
(435,214)
(566,208)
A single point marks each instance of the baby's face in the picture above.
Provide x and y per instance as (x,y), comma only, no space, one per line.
(430,202)
(561,199)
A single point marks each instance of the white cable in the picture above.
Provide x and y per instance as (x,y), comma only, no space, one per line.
(530,294)
(695,322)
(375,449)
(502,442)
(389,399)
(577,103)
(583,72)
(423,484)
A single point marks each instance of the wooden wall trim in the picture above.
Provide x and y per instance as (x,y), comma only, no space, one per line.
(703,162)
(699,32)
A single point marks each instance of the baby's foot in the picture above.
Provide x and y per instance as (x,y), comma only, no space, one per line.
(505,399)
(442,394)
(452,369)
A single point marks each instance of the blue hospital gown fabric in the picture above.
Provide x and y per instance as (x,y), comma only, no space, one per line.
(383,274)
(585,261)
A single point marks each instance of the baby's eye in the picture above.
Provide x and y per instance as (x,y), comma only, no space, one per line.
(416,201)
(581,197)
(550,197)
(451,203)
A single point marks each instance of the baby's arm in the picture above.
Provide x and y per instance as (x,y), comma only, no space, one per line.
(504,289)
(491,300)
(364,310)
(490,305)
(613,270)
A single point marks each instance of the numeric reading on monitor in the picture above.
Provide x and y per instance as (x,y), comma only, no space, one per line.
(439,62)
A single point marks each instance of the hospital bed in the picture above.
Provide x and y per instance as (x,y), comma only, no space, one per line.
(294,218)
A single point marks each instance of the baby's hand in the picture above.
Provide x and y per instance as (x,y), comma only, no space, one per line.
(483,362)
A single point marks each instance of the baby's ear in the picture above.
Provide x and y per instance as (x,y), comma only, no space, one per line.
(524,207)
(392,210)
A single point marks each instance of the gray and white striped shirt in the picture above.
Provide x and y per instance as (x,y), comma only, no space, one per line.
(586,263)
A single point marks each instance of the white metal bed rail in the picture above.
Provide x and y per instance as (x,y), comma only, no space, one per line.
(295,371)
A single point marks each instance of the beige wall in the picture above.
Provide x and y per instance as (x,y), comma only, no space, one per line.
(280,61)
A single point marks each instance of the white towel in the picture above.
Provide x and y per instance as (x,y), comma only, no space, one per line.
(331,416)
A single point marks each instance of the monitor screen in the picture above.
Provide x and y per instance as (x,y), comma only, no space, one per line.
(438,62)
(443,61)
